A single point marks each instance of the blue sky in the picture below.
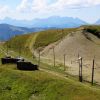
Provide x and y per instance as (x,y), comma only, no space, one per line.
(87,10)
(11,3)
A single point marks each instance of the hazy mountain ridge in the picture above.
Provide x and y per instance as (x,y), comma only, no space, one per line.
(59,22)
(7,31)
(54,21)
(16,27)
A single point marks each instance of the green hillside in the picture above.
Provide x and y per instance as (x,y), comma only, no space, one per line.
(94,29)
(44,38)
(20,44)
(39,39)
(41,84)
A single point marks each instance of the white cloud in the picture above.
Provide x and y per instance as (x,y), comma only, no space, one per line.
(37,5)
(29,9)
(25,6)
(4,11)
(43,6)
(93,2)
(76,3)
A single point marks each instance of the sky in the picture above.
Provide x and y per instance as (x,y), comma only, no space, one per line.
(87,10)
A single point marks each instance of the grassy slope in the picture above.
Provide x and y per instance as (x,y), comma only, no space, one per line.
(39,39)
(38,85)
(21,85)
(44,38)
(20,44)
(26,43)
(94,29)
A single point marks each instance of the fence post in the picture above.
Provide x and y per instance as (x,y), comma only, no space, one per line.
(81,78)
(54,56)
(93,72)
(79,66)
(64,62)
(80,69)
(39,59)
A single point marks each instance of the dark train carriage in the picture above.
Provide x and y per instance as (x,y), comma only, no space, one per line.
(10,60)
(22,65)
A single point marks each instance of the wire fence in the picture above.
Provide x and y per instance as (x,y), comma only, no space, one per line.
(86,70)
(72,64)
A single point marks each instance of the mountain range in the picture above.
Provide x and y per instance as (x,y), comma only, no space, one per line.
(54,21)
(11,27)
(59,22)
(14,27)
(7,31)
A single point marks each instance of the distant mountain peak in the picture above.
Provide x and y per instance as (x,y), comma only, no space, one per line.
(52,21)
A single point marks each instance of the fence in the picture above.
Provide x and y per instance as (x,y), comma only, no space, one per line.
(85,70)
(75,65)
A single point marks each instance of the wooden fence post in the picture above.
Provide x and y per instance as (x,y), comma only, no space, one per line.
(39,59)
(92,81)
(64,62)
(54,56)
(81,78)
(80,69)
(79,66)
